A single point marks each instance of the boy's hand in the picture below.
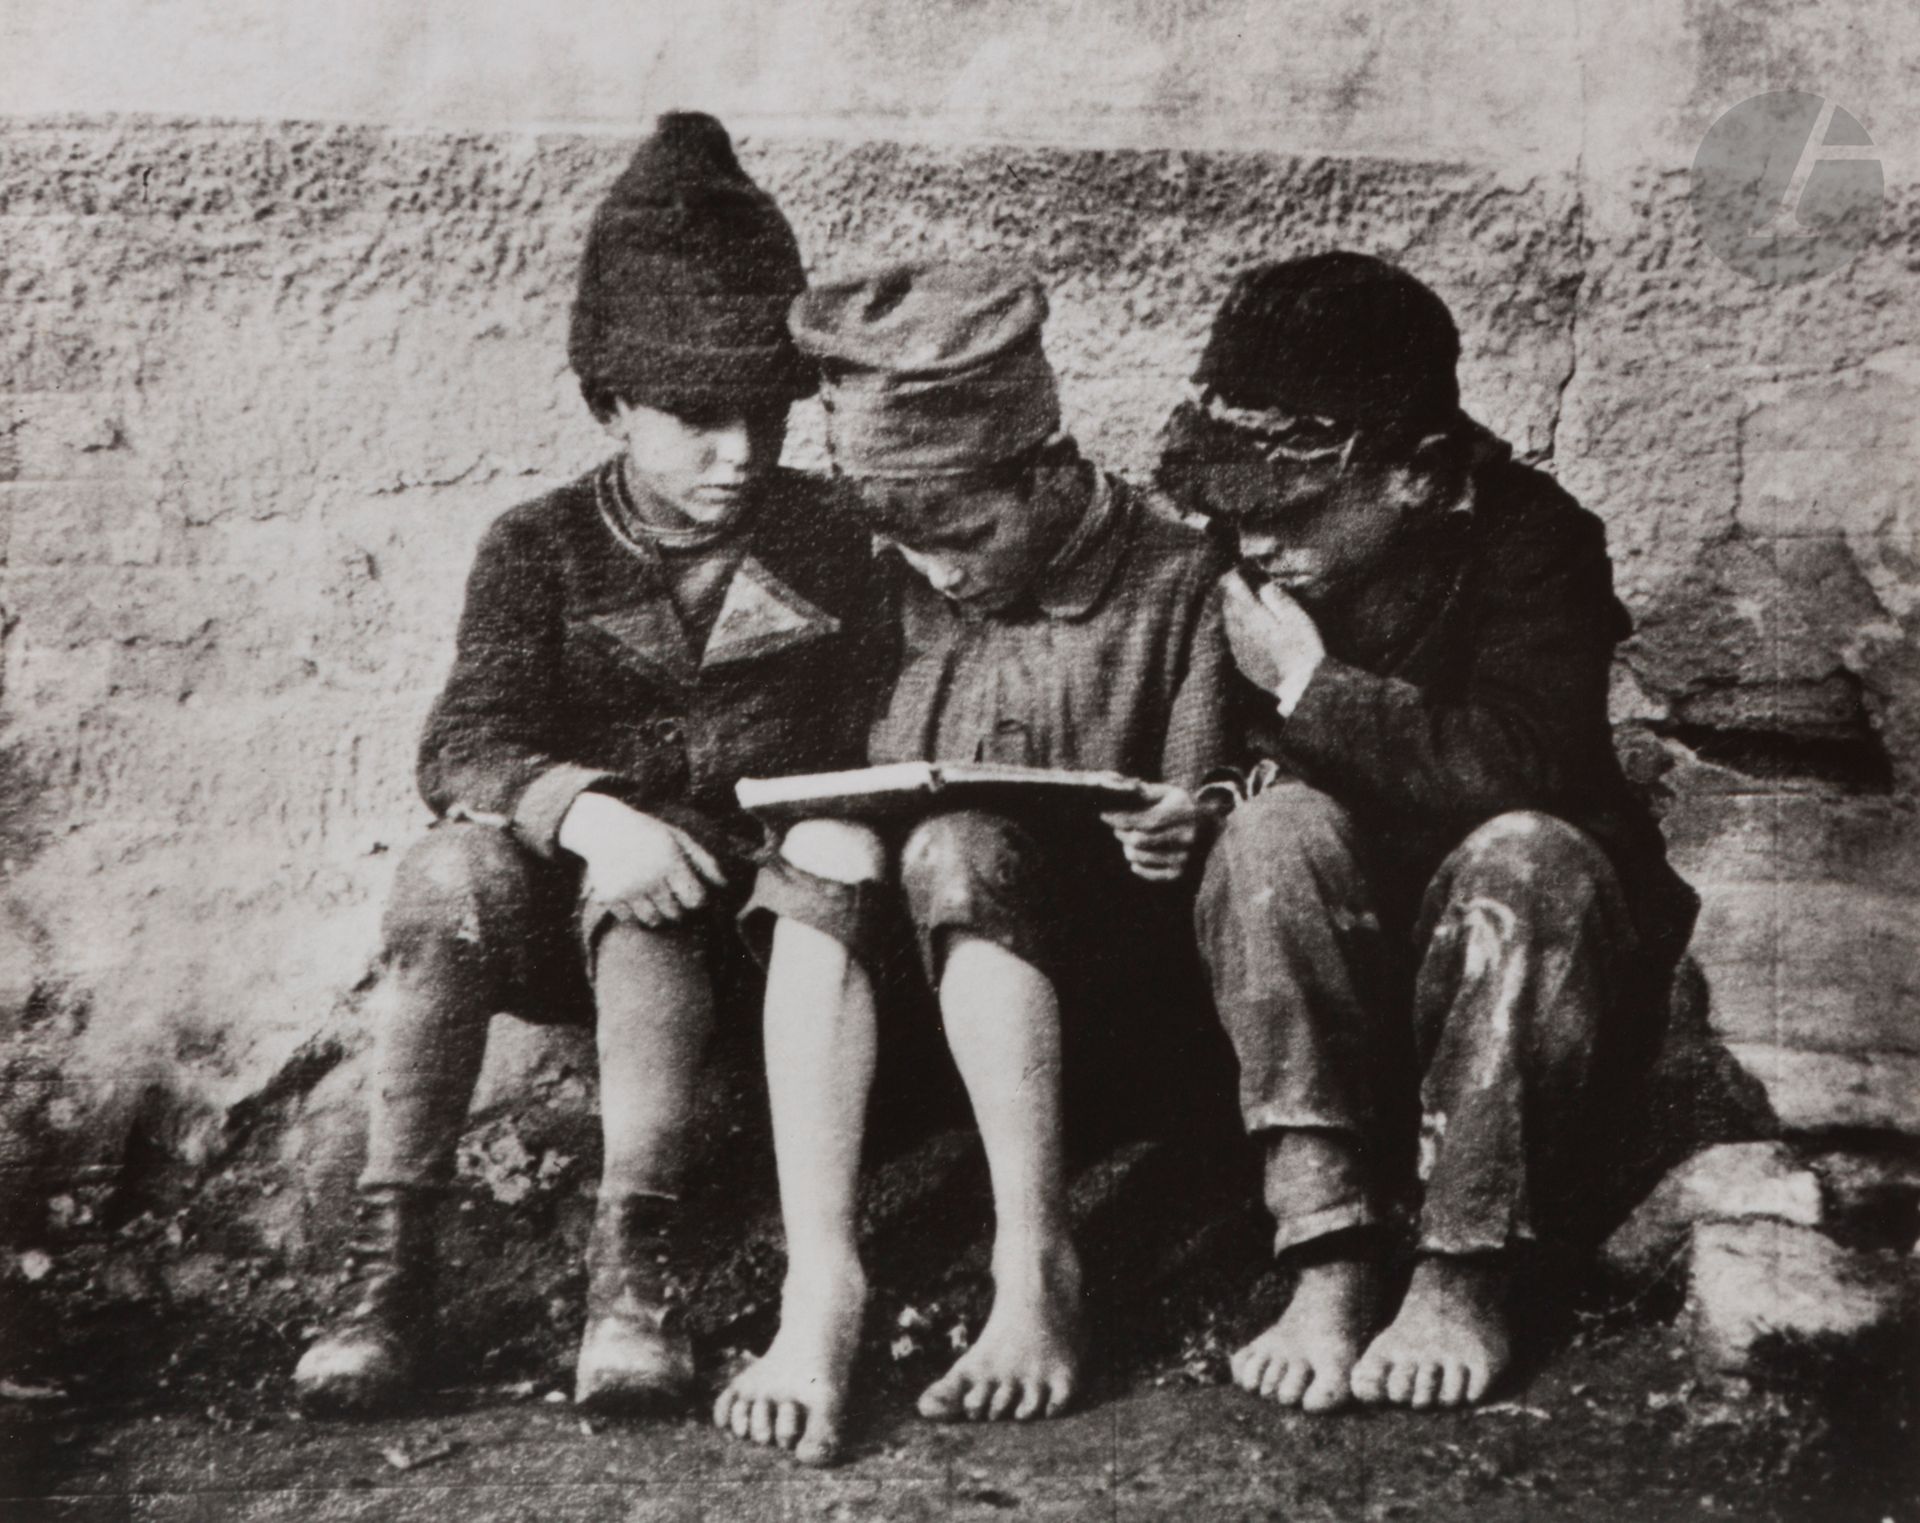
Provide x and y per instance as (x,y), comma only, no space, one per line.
(643,866)
(1274,641)
(1159,840)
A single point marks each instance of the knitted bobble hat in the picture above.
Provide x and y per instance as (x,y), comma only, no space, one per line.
(685,282)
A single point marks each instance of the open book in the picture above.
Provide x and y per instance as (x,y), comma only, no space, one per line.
(909,788)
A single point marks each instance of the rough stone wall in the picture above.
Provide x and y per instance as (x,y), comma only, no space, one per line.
(263,384)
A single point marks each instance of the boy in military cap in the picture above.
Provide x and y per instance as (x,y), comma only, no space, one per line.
(1048,616)
(631,645)
(1439,925)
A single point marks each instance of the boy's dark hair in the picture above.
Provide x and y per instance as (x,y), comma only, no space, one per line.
(685,281)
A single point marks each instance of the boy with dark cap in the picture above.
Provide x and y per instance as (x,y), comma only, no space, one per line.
(631,645)
(1439,925)
(1048,616)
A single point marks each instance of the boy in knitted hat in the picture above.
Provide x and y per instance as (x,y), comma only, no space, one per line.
(631,645)
(1440,927)
(1049,616)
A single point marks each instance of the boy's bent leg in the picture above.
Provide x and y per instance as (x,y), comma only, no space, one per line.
(1292,943)
(974,889)
(459,898)
(654,994)
(1527,944)
(821,1038)
(458,895)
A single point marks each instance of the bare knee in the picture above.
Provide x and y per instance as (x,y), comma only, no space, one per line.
(838,850)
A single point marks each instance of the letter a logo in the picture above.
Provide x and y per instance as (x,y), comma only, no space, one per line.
(1786,186)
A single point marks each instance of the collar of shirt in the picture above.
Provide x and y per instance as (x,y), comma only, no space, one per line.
(1076,578)
(631,527)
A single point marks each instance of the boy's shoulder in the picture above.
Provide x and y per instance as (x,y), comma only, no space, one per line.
(543,523)
(1164,545)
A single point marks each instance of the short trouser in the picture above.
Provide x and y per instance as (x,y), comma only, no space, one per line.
(530,923)
(1058,895)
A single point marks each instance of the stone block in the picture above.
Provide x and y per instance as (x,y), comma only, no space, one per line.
(1873,1190)
(1806,490)
(1830,967)
(1761,1291)
(1734,1181)
(1836,1091)
(1783,838)
(1870,410)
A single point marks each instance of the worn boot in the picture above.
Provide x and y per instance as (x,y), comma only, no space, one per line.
(636,1353)
(374,1351)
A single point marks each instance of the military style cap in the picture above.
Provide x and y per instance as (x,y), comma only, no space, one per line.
(686,279)
(930,369)
(1342,336)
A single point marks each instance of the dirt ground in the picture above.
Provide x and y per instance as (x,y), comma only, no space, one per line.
(145,1354)
(1610,1425)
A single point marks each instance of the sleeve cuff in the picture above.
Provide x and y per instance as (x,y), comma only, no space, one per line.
(546,800)
(1222,791)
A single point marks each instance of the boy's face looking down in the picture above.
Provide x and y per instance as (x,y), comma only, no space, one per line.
(699,464)
(979,541)
(1315,504)
(1313,543)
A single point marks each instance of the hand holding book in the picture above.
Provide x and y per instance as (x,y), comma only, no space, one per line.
(1160,839)
(1157,825)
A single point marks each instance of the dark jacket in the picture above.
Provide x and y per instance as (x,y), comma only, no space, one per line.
(1475,682)
(574,669)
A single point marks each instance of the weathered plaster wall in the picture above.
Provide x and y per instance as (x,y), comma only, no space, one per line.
(263,382)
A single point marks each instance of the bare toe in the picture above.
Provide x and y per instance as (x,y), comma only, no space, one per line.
(1005,1399)
(820,1444)
(1293,1384)
(1369,1379)
(1477,1376)
(941,1400)
(1453,1384)
(1426,1384)
(1400,1382)
(1329,1390)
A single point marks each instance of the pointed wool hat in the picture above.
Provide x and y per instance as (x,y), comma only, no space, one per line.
(686,279)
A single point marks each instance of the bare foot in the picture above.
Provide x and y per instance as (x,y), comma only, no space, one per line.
(1448,1342)
(1306,1358)
(1026,1362)
(793,1395)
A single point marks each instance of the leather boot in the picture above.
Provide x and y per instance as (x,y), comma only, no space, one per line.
(635,1353)
(373,1352)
